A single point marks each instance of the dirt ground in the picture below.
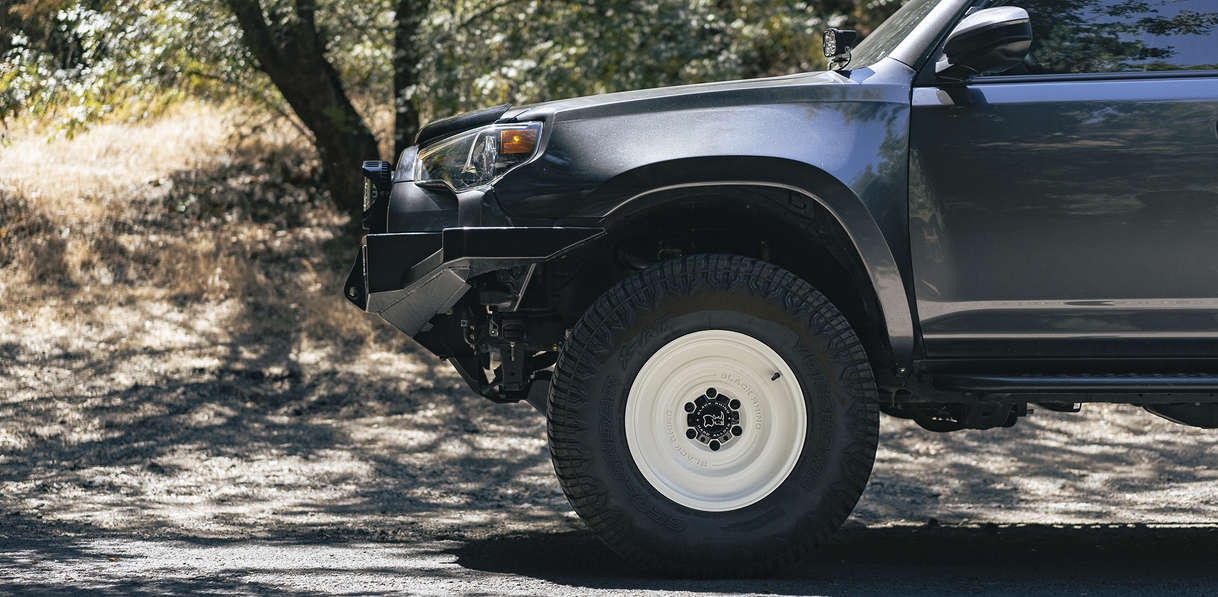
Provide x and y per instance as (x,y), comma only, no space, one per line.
(194,462)
(234,428)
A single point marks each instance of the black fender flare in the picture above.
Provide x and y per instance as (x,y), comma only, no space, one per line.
(647,187)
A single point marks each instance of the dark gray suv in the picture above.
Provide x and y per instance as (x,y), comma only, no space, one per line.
(712,291)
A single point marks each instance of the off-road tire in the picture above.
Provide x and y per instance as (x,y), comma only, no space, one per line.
(714,296)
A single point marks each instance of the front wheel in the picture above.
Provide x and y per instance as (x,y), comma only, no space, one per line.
(713,416)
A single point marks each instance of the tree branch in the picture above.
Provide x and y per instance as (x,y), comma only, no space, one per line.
(306,34)
(266,101)
(290,52)
(256,33)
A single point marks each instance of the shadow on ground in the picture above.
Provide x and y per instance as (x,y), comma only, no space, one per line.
(904,560)
(1030,560)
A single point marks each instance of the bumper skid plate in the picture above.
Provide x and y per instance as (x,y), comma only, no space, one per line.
(407,278)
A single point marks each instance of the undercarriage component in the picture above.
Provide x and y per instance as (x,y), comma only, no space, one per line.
(535,379)
(955,417)
(1200,415)
(502,355)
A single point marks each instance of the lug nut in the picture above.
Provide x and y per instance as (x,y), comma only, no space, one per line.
(711,392)
(689,407)
(737,430)
(691,434)
(735,404)
(714,445)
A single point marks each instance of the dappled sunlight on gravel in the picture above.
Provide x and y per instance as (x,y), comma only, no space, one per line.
(209,434)
(1108,463)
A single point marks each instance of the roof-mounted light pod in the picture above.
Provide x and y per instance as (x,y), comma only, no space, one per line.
(837,45)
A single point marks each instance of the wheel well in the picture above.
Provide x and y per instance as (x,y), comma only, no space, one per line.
(754,222)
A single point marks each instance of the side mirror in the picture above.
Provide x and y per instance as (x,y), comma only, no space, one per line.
(987,41)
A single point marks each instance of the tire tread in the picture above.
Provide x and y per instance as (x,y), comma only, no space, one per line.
(641,291)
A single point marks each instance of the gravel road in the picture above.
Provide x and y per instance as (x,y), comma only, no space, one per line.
(146,450)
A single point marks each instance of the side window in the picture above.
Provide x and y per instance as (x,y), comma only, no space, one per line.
(1107,36)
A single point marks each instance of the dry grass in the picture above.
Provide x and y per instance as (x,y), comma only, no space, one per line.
(197,207)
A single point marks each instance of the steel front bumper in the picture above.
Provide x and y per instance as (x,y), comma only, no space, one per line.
(407,278)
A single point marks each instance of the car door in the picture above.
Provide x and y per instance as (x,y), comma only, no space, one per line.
(1069,207)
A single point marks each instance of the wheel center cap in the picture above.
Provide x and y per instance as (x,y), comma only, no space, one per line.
(713,419)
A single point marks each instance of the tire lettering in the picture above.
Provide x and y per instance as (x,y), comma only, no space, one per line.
(607,394)
(630,490)
(648,332)
(824,400)
(608,448)
(616,471)
(642,505)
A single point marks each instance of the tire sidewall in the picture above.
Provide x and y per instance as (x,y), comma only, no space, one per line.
(685,296)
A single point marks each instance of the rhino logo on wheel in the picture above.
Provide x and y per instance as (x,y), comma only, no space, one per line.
(712,420)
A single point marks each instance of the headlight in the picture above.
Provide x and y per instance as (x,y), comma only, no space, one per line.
(473,158)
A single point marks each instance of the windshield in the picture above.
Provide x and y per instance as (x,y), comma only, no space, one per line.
(890,34)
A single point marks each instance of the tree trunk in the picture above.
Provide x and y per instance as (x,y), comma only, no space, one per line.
(292,52)
(405,73)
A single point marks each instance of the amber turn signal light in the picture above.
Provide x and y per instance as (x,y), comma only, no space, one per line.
(517,141)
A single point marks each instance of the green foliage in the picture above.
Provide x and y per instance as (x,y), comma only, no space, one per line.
(69,63)
(536,50)
(72,62)
(475,53)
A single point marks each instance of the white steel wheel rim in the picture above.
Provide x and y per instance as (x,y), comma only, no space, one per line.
(772,416)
